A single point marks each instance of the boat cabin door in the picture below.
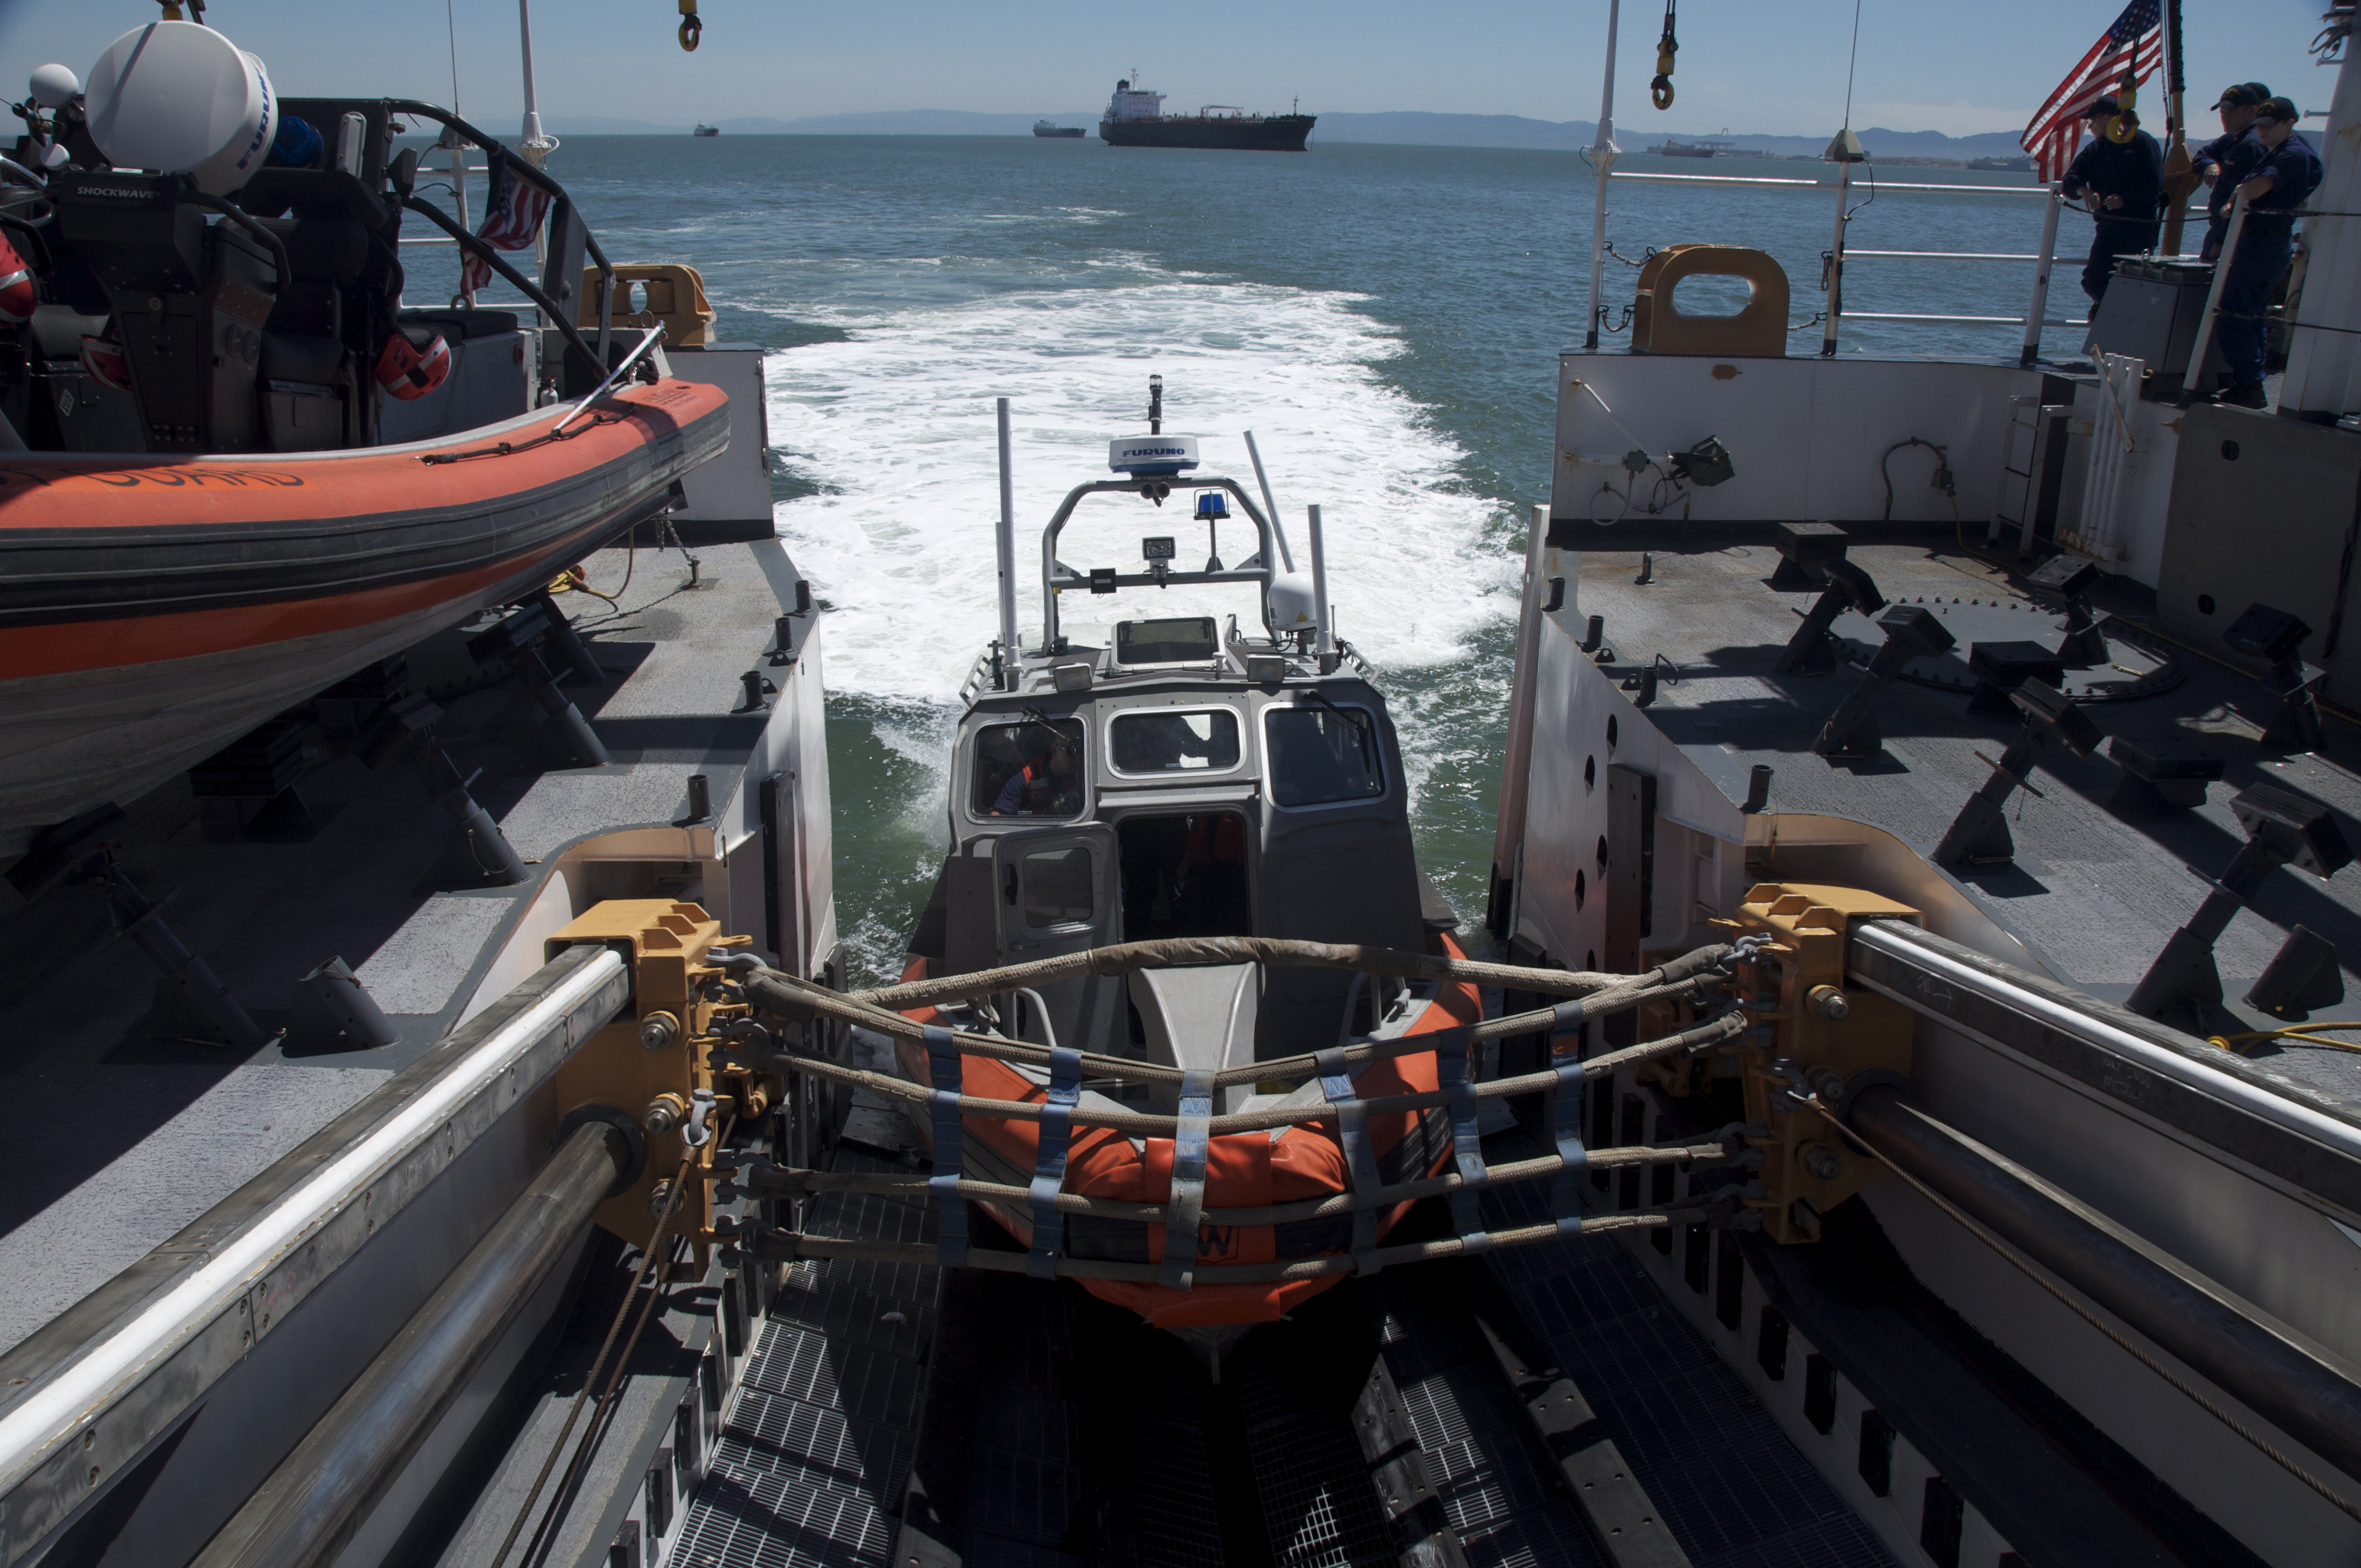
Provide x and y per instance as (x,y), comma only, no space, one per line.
(1055,893)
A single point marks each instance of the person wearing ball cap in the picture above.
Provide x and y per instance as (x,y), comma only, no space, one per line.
(2275,170)
(2124,180)
(2237,106)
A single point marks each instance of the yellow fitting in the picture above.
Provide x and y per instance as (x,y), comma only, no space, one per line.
(691,25)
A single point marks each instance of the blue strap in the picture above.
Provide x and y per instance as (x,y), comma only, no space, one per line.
(1190,1139)
(1360,1162)
(1566,1018)
(950,1209)
(1452,1070)
(1573,1158)
(1049,1162)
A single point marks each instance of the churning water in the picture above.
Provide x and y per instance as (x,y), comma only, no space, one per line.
(1384,319)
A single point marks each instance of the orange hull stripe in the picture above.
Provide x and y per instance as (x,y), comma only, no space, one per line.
(73,646)
(49,493)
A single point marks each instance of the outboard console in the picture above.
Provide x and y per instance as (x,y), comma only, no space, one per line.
(190,301)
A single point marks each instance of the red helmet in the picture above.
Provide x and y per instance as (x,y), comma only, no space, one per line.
(407,369)
(104,358)
(17,295)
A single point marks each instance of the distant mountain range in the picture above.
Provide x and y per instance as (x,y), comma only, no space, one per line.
(1401,128)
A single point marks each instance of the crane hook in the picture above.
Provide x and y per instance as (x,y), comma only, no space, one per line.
(1660,90)
(691,26)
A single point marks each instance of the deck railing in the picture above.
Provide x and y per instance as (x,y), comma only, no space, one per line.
(2032,322)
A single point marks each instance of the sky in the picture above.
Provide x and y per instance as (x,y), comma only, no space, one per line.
(1767,67)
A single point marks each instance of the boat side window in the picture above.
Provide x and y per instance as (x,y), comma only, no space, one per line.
(1163,741)
(1057,888)
(1319,756)
(1183,875)
(1034,769)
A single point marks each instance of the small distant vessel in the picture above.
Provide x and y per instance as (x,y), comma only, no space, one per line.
(1136,118)
(1704,147)
(2006,165)
(1050,128)
(705,130)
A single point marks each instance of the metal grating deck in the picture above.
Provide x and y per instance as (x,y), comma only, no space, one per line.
(1509,1509)
(818,1439)
(1734,1491)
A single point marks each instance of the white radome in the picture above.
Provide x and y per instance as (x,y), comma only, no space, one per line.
(1152,455)
(177,98)
(54,87)
(1290,601)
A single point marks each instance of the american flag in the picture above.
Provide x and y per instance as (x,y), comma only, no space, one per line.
(512,216)
(2134,44)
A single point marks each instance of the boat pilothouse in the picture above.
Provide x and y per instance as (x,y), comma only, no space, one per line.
(1185,778)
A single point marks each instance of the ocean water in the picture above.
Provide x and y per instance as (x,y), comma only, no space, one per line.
(1386,320)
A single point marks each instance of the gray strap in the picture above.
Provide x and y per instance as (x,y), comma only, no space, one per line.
(1453,1067)
(950,1212)
(1190,1140)
(1360,1161)
(1050,1162)
(1566,1200)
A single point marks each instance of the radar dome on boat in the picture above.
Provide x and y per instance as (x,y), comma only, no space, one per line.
(53,86)
(179,97)
(1141,455)
(1290,598)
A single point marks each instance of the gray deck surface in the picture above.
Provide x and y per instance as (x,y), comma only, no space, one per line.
(2096,889)
(182,1123)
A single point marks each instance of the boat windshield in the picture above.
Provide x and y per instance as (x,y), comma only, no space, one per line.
(1169,641)
(1322,755)
(1163,742)
(1034,769)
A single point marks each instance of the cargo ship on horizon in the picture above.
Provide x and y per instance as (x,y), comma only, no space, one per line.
(1136,118)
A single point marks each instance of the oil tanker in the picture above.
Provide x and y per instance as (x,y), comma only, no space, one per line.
(1136,118)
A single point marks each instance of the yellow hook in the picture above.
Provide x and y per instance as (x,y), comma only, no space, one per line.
(691,26)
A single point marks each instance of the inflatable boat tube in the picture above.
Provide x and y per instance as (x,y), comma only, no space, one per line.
(154,609)
(1243,1170)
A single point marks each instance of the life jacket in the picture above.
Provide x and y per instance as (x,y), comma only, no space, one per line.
(1040,786)
(1218,838)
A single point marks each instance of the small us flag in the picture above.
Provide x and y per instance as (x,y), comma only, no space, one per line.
(2134,44)
(512,218)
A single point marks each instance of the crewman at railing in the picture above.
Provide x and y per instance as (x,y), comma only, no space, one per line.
(2237,105)
(2275,170)
(2124,180)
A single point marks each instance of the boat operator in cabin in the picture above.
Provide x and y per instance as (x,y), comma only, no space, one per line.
(2275,170)
(2125,181)
(2237,106)
(1049,784)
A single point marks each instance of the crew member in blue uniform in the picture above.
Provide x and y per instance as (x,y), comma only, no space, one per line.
(2126,184)
(2237,106)
(2275,170)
